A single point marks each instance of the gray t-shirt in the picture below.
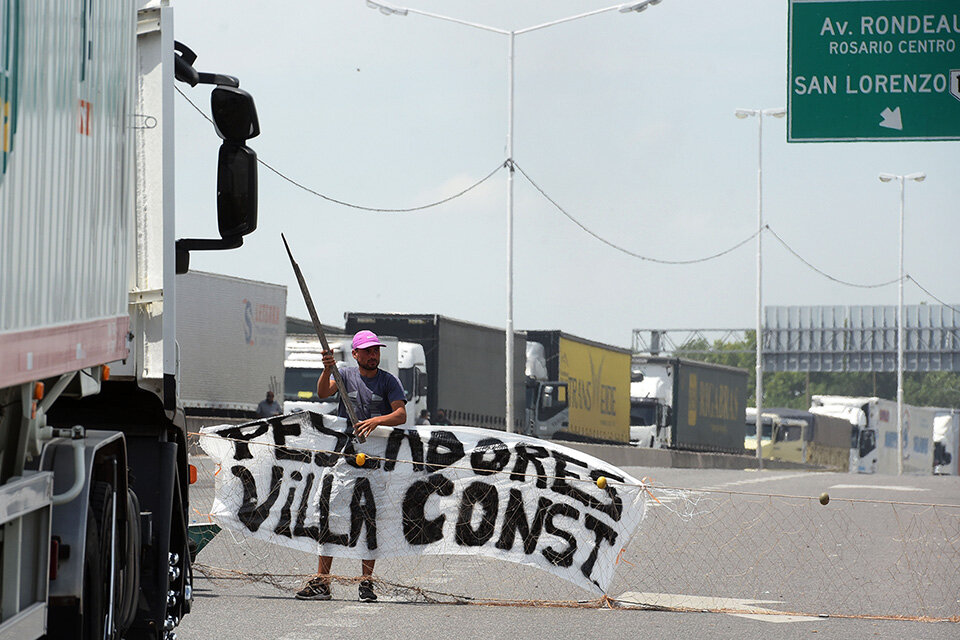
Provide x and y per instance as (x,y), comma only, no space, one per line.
(371,397)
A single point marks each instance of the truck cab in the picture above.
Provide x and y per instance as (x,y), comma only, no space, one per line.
(547,406)
(864,456)
(412,371)
(547,410)
(651,397)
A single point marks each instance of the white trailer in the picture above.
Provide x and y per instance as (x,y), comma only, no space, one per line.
(88,262)
(873,441)
(232,334)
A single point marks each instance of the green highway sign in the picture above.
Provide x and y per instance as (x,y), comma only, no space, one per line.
(873,70)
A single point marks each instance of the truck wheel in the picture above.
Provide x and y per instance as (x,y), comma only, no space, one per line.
(102,497)
(127,608)
(92,605)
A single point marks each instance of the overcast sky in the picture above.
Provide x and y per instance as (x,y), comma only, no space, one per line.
(624,120)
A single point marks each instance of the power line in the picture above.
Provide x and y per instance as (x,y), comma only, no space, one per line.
(348,204)
(824,273)
(622,249)
(927,291)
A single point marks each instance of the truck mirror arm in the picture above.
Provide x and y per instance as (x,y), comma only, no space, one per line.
(219,79)
(184,57)
(185,245)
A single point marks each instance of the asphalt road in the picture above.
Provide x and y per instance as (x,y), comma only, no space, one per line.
(741,545)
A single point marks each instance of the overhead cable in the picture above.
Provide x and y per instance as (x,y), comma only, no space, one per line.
(926,291)
(348,204)
(618,247)
(824,273)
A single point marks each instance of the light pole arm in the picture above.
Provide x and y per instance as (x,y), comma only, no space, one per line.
(475,25)
(568,19)
(389,9)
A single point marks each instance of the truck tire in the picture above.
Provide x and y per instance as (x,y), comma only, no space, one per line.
(92,602)
(130,590)
(102,497)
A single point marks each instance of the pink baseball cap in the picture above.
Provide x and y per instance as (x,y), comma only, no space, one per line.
(364,339)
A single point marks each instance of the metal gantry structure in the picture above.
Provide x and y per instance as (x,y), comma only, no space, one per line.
(828,339)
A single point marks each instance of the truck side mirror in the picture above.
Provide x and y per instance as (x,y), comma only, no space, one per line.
(236,190)
(234,114)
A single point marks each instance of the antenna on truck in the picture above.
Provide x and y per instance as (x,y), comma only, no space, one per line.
(341,387)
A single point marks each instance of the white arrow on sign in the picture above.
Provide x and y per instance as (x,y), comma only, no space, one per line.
(955,83)
(891,119)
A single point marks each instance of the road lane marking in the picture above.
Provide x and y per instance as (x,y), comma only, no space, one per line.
(882,487)
(736,483)
(711,603)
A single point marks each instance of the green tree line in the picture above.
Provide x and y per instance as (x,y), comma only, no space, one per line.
(793,390)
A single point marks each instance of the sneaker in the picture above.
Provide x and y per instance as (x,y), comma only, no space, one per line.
(315,589)
(366,592)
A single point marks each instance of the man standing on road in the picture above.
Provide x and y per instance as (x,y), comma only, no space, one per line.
(268,407)
(378,400)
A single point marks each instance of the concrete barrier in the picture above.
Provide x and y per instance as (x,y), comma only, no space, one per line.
(628,456)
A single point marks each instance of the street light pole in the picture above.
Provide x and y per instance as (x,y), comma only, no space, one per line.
(759,113)
(510,425)
(387,9)
(887,177)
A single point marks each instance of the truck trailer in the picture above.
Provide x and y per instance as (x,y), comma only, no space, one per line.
(685,404)
(94,476)
(232,334)
(597,376)
(465,364)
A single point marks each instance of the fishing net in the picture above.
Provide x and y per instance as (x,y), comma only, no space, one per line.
(695,549)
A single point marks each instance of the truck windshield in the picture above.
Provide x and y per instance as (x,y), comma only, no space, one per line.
(786,433)
(751,429)
(300,384)
(643,414)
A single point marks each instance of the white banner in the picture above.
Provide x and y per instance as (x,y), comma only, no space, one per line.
(294,480)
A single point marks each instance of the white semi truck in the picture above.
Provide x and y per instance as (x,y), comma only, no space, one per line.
(303,366)
(684,404)
(873,433)
(94,476)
